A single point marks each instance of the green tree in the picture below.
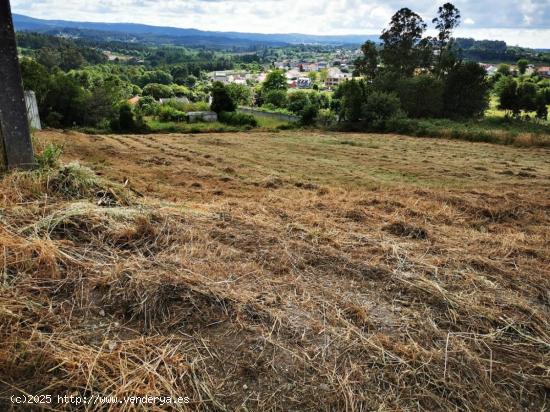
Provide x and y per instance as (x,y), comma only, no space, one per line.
(527,96)
(368,63)
(275,80)
(507,92)
(421,96)
(221,99)
(448,18)
(71,58)
(309,114)
(275,98)
(155,76)
(100,106)
(542,108)
(380,107)
(241,94)
(323,75)
(404,49)
(48,57)
(504,69)
(313,77)
(466,92)
(522,66)
(158,91)
(348,100)
(35,78)
(297,101)
(65,101)
(180,91)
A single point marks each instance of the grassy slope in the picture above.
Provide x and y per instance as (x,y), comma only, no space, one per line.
(283,270)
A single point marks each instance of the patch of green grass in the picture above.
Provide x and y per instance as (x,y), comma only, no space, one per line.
(492,129)
(177,127)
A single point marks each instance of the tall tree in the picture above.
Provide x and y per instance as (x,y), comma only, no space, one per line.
(448,18)
(466,91)
(403,49)
(522,66)
(275,80)
(368,63)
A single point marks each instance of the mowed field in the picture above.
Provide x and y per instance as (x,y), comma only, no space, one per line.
(296,270)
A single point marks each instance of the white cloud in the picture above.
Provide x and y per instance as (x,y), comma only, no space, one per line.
(299,16)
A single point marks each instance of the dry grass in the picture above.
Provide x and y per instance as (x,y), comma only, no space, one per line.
(262,272)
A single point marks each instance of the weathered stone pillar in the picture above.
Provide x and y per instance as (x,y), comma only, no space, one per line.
(15,139)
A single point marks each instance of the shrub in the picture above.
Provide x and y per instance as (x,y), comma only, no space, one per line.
(326,117)
(167,113)
(349,98)
(188,107)
(276,98)
(49,158)
(241,94)
(379,108)
(238,119)
(127,121)
(309,114)
(421,96)
(297,101)
(148,106)
(466,91)
(221,99)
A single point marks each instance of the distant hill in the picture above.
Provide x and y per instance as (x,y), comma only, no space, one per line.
(172,35)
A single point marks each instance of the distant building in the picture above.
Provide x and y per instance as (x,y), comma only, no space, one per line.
(202,117)
(303,83)
(335,77)
(489,68)
(224,77)
(543,71)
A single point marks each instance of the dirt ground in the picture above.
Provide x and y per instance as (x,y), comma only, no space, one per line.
(298,271)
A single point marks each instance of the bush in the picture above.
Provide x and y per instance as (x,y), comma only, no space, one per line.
(348,99)
(276,98)
(167,113)
(466,91)
(127,121)
(148,106)
(326,117)
(49,158)
(221,99)
(421,96)
(241,94)
(188,107)
(238,119)
(379,108)
(298,101)
(309,114)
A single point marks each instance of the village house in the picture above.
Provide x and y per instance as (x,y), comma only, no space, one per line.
(543,71)
(489,68)
(335,77)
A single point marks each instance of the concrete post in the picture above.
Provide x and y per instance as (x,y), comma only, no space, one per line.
(15,139)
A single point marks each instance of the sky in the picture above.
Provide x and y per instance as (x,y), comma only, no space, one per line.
(518,22)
